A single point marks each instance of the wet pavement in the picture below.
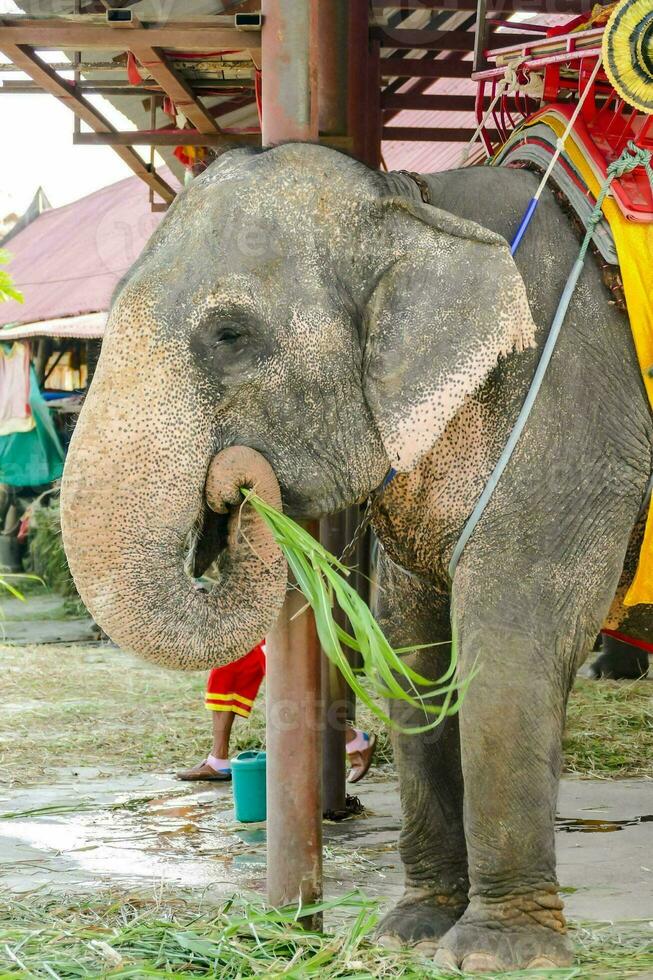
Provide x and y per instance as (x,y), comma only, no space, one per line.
(90,830)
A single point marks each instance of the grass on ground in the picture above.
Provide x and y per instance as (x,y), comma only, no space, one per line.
(127,936)
(610,728)
(71,705)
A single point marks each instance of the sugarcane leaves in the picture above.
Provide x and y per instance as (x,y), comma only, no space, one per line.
(322,578)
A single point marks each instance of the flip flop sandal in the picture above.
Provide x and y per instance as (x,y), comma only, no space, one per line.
(363,761)
(203,772)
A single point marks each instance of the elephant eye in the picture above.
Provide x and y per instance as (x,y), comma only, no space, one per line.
(227,335)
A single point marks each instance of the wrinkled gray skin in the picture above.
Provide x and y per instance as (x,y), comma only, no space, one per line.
(296,303)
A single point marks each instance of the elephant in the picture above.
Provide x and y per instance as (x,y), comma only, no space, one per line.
(304,323)
(619,660)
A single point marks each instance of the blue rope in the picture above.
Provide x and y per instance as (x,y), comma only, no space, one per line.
(631,158)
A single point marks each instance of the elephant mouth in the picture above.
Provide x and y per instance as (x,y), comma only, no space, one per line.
(207,541)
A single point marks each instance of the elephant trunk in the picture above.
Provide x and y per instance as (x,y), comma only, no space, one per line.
(130,565)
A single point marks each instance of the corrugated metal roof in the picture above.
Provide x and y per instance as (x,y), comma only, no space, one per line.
(89,326)
(69,259)
(430,157)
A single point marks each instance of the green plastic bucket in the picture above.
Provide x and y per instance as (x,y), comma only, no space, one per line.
(248,781)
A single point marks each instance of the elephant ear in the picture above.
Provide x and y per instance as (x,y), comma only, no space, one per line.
(449,304)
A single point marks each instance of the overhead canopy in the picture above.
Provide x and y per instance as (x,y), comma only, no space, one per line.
(89,326)
(68,261)
(186,74)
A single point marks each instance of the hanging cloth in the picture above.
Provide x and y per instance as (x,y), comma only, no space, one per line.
(15,413)
(31,459)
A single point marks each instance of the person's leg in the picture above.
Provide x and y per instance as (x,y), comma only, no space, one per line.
(222,725)
(230,691)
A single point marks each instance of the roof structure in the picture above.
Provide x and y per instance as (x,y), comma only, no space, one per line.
(37,206)
(68,260)
(190,80)
(439,100)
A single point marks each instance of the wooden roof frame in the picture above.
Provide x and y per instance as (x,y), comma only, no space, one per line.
(149,42)
(154,44)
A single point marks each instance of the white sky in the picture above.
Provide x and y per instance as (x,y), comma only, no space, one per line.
(36,147)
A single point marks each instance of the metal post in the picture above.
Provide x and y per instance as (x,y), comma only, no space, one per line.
(333,65)
(333,117)
(289,65)
(358,74)
(335,692)
(294,824)
(294,723)
(373,117)
(481,36)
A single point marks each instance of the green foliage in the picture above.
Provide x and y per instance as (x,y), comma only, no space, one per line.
(323,580)
(6,582)
(47,557)
(7,288)
(169,936)
(610,728)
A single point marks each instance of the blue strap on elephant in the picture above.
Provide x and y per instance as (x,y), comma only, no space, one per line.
(632,157)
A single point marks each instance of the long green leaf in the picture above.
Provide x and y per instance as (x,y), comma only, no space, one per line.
(323,579)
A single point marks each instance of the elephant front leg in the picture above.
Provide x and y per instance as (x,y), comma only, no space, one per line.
(511,725)
(432,842)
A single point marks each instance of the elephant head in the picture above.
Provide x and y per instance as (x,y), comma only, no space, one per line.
(290,320)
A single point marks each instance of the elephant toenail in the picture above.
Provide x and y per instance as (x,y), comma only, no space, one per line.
(481,963)
(446,959)
(426,947)
(388,941)
(542,963)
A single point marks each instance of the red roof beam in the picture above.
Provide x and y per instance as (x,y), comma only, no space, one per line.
(493,6)
(424,68)
(434,103)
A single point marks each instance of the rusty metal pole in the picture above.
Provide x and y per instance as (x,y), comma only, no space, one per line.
(358,79)
(294,745)
(333,67)
(294,722)
(335,692)
(289,63)
(333,115)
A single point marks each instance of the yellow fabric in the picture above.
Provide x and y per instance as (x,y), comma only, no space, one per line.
(229,697)
(634,244)
(243,712)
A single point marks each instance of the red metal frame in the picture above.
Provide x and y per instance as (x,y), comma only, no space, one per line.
(567,58)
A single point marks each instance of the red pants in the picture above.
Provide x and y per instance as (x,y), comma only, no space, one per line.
(235,686)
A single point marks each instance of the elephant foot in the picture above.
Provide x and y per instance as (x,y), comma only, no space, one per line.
(419,920)
(520,934)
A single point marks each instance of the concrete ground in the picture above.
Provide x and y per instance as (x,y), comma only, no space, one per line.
(90,830)
(41,619)
(81,831)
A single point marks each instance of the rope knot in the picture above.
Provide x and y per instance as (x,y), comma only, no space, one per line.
(632,157)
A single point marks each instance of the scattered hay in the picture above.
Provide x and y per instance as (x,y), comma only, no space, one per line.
(610,728)
(130,936)
(75,705)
